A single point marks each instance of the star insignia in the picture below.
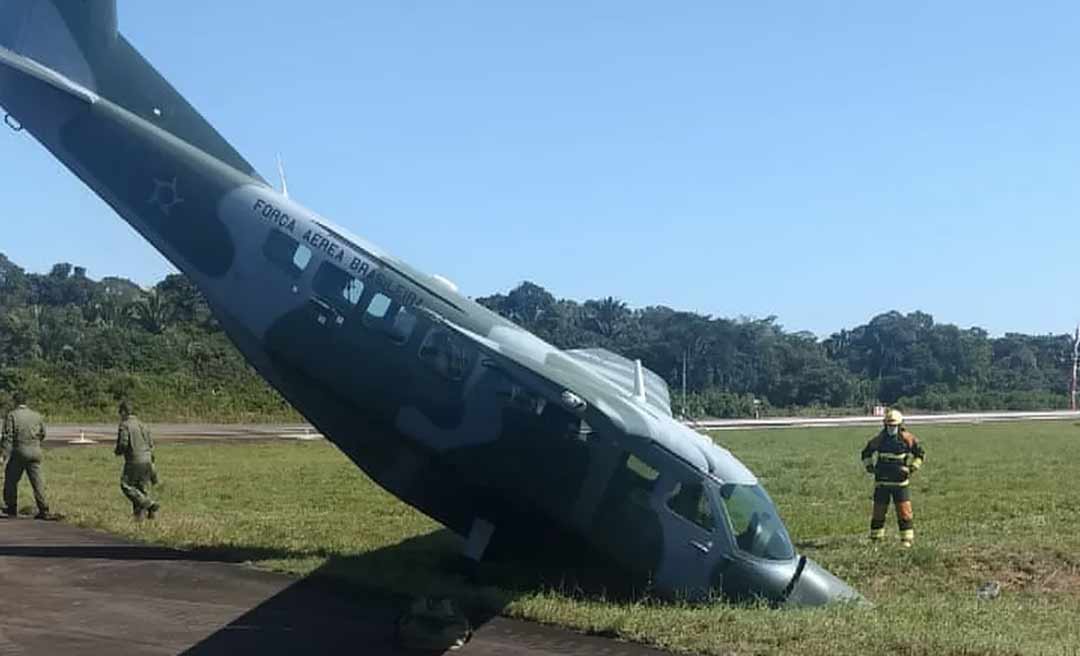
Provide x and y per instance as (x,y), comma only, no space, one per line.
(165,196)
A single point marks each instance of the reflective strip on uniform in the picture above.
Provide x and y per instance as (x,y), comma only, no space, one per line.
(892,456)
(892,483)
(915,464)
(877,533)
(908,535)
(867,462)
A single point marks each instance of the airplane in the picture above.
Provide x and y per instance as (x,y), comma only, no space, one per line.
(498,435)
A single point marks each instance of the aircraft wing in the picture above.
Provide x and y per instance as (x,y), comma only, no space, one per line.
(621,371)
(606,405)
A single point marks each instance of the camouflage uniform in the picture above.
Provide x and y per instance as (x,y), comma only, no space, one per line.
(133,441)
(20,447)
(898,457)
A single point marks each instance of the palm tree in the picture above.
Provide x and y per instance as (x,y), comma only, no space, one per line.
(154,313)
(108,312)
(608,317)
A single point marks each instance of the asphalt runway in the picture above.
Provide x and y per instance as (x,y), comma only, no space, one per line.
(66,590)
(63,433)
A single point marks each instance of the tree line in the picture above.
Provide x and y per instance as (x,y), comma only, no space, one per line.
(78,344)
(906,360)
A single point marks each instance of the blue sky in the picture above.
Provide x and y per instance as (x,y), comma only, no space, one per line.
(822,162)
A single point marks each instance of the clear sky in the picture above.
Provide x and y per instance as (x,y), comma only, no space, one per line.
(822,162)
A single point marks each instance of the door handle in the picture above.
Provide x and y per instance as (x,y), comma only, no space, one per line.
(703,547)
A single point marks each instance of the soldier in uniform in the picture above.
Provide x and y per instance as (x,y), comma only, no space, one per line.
(133,441)
(899,455)
(20,449)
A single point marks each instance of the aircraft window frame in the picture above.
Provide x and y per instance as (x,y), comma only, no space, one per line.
(459,355)
(706,520)
(286,253)
(338,288)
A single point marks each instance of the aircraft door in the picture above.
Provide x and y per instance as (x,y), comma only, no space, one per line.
(694,542)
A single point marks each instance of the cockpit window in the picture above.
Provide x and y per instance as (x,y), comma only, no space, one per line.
(689,501)
(755,522)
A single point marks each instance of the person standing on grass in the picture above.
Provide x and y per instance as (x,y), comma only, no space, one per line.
(20,450)
(899,455)
(133,441)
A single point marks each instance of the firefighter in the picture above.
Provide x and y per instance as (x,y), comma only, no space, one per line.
(899,455)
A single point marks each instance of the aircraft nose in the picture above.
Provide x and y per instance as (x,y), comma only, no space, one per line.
(816,586)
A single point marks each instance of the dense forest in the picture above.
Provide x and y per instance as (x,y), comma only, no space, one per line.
(78,344)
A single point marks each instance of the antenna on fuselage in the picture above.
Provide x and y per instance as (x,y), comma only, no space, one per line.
(639,381)
(281,173)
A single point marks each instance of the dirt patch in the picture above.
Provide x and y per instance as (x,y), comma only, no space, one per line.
(1038,571)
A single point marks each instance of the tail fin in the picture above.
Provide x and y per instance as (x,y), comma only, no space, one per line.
(79,40)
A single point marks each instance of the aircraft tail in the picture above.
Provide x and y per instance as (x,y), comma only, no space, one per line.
(79,46)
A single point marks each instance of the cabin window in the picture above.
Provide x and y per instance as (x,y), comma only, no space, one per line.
(518,397)
(633,483)
(389,318)
(337,287)
(443,353)
(689,501)
(402,325)
(378,306)
(289,255)
(627,505)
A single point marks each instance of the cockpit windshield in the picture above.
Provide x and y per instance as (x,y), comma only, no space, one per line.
(755,522)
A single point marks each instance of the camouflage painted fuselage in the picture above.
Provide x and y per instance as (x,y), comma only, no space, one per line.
(448,406)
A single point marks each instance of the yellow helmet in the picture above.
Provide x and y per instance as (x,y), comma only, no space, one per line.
(893,418)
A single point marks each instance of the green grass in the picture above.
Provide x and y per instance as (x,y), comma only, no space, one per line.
(995,501)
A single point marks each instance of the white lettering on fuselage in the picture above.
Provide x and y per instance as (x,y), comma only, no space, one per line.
(321,243)
(393,288)
(274,216)
(359,267)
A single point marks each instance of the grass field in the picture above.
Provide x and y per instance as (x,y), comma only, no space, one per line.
(994,502)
